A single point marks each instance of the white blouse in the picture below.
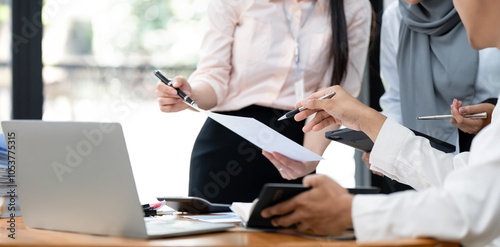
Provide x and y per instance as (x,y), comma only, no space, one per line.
(247,53)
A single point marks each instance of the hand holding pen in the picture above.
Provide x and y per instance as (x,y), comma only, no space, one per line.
(342,109)
(294,112)
(173,95)
(468,124)
(440,117)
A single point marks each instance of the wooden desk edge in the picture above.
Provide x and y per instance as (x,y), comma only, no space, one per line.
(36,237)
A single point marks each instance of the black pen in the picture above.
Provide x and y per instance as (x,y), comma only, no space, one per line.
(294,112)
(181,94)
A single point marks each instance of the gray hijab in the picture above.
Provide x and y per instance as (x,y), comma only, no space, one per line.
(435,64)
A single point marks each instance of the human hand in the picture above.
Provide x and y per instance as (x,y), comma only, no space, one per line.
(329,111)
(313,210)
(290,169)
(470,125)
(342,109)
(366,158)
(168,100)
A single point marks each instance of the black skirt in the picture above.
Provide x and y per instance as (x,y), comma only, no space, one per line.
(226,168)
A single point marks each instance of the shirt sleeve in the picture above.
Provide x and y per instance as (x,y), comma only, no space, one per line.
(389,40)
(410,159)
(463,209)
(214,66)
(358,32)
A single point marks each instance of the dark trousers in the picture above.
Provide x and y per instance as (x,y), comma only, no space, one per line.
(226,168)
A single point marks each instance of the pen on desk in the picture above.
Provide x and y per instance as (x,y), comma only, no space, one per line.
(181,94)
(294,112)
(477,115)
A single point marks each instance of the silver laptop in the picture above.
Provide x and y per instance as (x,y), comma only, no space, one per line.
(76,176)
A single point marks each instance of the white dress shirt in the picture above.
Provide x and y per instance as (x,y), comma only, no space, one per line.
(247,53)
(457,197)
(488,74)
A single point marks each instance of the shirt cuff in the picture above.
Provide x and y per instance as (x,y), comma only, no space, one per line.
(216,87)
(387,147)
(368,219)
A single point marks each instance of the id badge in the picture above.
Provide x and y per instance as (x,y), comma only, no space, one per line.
(299,87)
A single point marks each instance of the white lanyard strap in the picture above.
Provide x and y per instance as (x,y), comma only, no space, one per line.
(291,27)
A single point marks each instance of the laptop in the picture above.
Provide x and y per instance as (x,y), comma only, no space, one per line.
(77,177)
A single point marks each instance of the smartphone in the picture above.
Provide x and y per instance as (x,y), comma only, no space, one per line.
(356,139)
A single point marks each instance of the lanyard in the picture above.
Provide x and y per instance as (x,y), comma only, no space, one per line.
(291,28)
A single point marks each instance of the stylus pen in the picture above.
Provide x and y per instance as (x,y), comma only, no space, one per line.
(477,115)
(181,94)
(294,112)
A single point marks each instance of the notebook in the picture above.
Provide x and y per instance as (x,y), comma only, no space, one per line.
(77,177)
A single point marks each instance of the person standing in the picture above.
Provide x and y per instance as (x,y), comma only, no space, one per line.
(257,58)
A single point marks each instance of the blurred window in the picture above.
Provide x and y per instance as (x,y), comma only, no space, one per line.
(5,69)
(98,61)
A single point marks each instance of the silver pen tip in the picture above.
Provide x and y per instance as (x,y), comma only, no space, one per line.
(282,118)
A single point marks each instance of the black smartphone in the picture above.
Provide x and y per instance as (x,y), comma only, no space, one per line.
(356,139)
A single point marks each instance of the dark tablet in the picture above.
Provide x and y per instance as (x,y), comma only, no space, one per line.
(360,141)
(273,193)
(194,205)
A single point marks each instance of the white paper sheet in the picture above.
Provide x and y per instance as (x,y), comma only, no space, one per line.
(217,218)
(264,137)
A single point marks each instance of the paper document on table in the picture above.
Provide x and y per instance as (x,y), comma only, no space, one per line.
(264,137)
(216,217)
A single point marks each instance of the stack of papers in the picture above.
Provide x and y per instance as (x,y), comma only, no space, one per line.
(227,217)
(243,210)
(9,204)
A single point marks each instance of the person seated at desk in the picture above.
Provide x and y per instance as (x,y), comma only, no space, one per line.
(458,202)
(443,67)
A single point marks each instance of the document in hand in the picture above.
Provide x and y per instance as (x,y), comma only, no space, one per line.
(264,137)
